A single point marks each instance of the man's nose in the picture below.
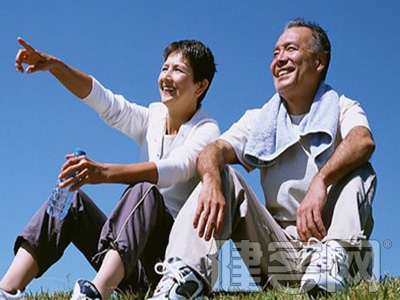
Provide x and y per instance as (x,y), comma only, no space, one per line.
(281,58)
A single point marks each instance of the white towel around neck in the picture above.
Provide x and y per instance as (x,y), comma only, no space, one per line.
(273,133)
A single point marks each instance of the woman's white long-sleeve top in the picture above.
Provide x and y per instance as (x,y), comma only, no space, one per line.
(177,174)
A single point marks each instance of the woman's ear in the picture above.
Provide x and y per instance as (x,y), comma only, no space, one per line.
(201,87)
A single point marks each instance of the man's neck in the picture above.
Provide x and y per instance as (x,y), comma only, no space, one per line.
(300,103)
(299,106)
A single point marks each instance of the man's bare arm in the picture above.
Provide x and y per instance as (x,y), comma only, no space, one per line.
(354,151)
(210,212)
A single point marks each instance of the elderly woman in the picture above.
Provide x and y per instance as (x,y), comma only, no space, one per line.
(123,247)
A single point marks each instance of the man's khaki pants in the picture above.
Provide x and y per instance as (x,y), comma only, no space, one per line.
(347,216)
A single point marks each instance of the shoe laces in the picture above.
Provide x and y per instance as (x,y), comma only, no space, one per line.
(329,258)
(171,275)
(337,260)
(305,254)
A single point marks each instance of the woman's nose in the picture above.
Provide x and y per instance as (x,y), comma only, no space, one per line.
(166,73)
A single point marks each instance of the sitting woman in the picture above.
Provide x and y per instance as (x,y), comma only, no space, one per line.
(123,247)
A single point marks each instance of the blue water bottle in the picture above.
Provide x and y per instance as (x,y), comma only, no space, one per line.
(60,199)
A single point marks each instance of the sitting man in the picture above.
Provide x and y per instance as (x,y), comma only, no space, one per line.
(312,148)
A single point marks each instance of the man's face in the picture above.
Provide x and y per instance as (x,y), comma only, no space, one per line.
(295,68)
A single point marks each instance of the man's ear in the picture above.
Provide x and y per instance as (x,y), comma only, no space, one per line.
(201,87)
(320,61)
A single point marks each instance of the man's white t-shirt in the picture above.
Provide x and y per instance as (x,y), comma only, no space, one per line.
(286,182)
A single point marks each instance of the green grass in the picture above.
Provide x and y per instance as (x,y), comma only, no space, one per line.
(387,288)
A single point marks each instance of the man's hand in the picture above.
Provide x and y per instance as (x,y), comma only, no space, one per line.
(36,61)
(209,216)
(210,212)
(309,221)
(353,151)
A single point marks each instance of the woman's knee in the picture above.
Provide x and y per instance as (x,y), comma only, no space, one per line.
(142,194)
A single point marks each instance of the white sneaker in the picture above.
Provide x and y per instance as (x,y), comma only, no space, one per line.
(85,290)
(328,269)
(178,282)
(7,296)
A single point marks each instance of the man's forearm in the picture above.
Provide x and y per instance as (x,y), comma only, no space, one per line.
(354,151)
(210,163)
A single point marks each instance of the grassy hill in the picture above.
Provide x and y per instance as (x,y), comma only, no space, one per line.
(387,288)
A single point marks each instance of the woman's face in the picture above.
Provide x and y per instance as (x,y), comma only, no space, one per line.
(176,83)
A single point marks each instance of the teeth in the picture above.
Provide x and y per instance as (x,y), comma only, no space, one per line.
(283,72)
(168,89)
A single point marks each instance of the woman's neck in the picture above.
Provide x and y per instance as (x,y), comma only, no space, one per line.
(174,123)
(177,117)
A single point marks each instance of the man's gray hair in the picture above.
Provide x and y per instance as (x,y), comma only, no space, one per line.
(320,41)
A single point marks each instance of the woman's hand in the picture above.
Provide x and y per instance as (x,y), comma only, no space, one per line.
(82,170)
(77,82)
(36,60)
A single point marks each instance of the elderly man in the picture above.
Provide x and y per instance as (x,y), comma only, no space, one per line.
(312,148)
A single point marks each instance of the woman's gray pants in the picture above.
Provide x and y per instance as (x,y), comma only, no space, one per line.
(138,228)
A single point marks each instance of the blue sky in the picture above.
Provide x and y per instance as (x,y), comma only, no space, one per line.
(121,44)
